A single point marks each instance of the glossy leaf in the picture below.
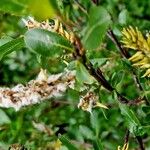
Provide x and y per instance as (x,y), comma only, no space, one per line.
(46,43)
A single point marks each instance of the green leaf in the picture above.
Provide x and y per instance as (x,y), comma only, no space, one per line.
(42,10)
(132,121)
(82,75)
(4,118)
(11,6)
(11,46)
(122,18)
(46,43)
(94,119)
(97,62)
(99,21)
(117,78)
(86,132)
(4,40)
(58,5)
(127,112)
(67,143)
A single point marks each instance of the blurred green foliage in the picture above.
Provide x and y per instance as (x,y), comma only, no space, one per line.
(76,129)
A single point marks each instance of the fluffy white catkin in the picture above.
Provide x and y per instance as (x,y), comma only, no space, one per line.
(35,91)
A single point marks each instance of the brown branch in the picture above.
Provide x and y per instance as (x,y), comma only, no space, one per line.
(126,55)
(117,43)
(126,140)
(96,73)
(140,141)
(101,79)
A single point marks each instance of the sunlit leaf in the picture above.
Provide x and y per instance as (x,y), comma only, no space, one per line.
(42,9)
(99,20)
(123,16)
(82,74)
(46,43)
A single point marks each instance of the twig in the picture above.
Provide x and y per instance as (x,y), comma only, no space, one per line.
(96,73)
(140,141)
(126,55)
(126,140)
(117,43)
(101,79)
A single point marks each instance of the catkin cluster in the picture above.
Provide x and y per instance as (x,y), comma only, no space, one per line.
(35,91)
(53,26)
(46,87)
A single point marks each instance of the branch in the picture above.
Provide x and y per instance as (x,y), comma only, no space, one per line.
(35,91)
(117,43)
(126,55)
(126,140)
(140,141)
(97,73)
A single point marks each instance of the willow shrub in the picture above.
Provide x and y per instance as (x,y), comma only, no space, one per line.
(93,89)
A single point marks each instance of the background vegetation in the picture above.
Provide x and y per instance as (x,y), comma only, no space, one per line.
(92,21)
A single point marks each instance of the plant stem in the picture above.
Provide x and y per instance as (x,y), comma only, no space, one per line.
(124,54)
(98,75)
(127,136)
(140,141)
